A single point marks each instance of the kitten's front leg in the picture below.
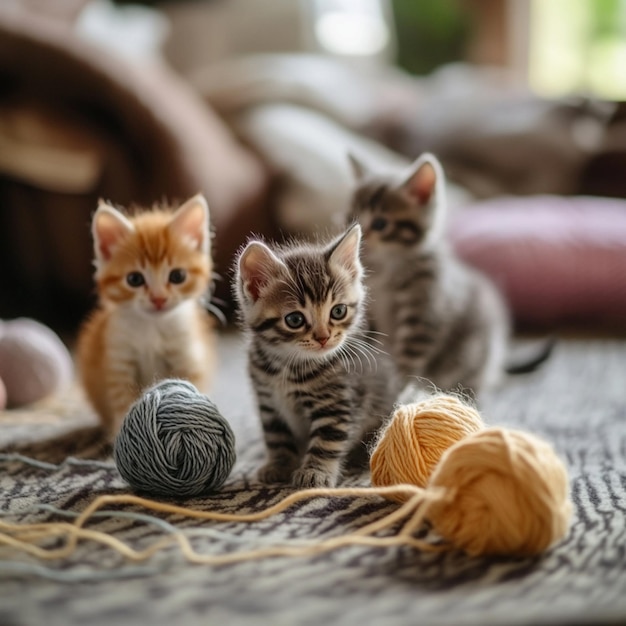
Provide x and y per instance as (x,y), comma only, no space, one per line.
(282,450)
(329,444)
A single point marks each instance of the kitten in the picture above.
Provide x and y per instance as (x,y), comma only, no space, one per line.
(321,387)
(153,270)
(440,319)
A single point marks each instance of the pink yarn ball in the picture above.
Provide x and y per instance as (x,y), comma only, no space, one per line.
(34,362)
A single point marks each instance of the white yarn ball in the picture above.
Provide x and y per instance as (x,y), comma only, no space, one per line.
(34,362)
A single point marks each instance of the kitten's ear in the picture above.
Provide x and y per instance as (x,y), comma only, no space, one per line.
(257,266)
(358,167)
(191,222)
(108,227)
(424,178)
(345,252)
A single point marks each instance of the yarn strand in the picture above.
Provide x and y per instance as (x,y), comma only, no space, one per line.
(307,494)
(414,507)
(421,509)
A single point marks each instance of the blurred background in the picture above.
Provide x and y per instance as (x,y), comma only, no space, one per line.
(557,47)
(255,103)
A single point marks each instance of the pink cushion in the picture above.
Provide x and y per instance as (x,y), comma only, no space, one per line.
(556,259)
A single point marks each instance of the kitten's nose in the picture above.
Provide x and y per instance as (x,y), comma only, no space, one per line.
(158,301)
(322,340)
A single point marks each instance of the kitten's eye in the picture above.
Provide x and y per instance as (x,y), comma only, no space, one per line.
(379,223)
(177,276)
(339,311)
(135,279)
(294,320)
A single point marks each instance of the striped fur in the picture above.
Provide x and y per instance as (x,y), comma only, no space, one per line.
(157,328)
(440,320)
(323,386)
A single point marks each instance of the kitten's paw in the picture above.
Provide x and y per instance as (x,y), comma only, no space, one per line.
(307,478)
(272,473)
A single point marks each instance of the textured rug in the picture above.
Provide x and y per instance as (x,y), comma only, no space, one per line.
(577,401)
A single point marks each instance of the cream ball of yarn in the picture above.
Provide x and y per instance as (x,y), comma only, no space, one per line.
(413,441)
(503,492)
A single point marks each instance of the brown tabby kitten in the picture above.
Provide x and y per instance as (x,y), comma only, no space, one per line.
(320,383)
(153,270)
(440,319)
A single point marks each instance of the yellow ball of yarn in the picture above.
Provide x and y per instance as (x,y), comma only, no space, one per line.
(412,443)
(504,492)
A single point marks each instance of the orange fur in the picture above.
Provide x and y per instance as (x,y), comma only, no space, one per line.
(158,328)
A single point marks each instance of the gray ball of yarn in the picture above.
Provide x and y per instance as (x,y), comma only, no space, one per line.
(174,442)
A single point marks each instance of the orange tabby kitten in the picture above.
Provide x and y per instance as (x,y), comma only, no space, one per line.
(152,271)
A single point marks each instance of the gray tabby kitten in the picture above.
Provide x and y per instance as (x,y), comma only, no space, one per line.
(440,319)
(321,387)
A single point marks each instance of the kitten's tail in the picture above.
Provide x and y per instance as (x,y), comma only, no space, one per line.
(530,362)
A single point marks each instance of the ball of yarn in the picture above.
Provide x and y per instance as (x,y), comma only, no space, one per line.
(505,492)
(417,435)
(174,442)
(34,362)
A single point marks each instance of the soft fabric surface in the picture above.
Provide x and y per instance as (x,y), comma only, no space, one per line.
(576,402)
(558,260)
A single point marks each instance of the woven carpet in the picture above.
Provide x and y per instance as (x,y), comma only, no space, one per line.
(577,401)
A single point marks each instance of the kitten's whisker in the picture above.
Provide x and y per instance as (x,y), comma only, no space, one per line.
(367,351)
(367,347)
(373,332)
(364,341)
(341,353)
(368,340)
(353,353)
(346,357)
(358,352)
(374,354)
(355,357)
(378,341)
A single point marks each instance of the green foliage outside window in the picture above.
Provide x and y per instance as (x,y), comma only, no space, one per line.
(430,33)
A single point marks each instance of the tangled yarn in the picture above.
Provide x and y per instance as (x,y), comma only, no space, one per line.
(506,492)
(413,441)
(174,442)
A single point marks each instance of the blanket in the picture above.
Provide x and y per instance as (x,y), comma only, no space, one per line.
(576,402)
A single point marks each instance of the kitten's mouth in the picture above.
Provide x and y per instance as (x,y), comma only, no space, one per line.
(156,311)
(324,350)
